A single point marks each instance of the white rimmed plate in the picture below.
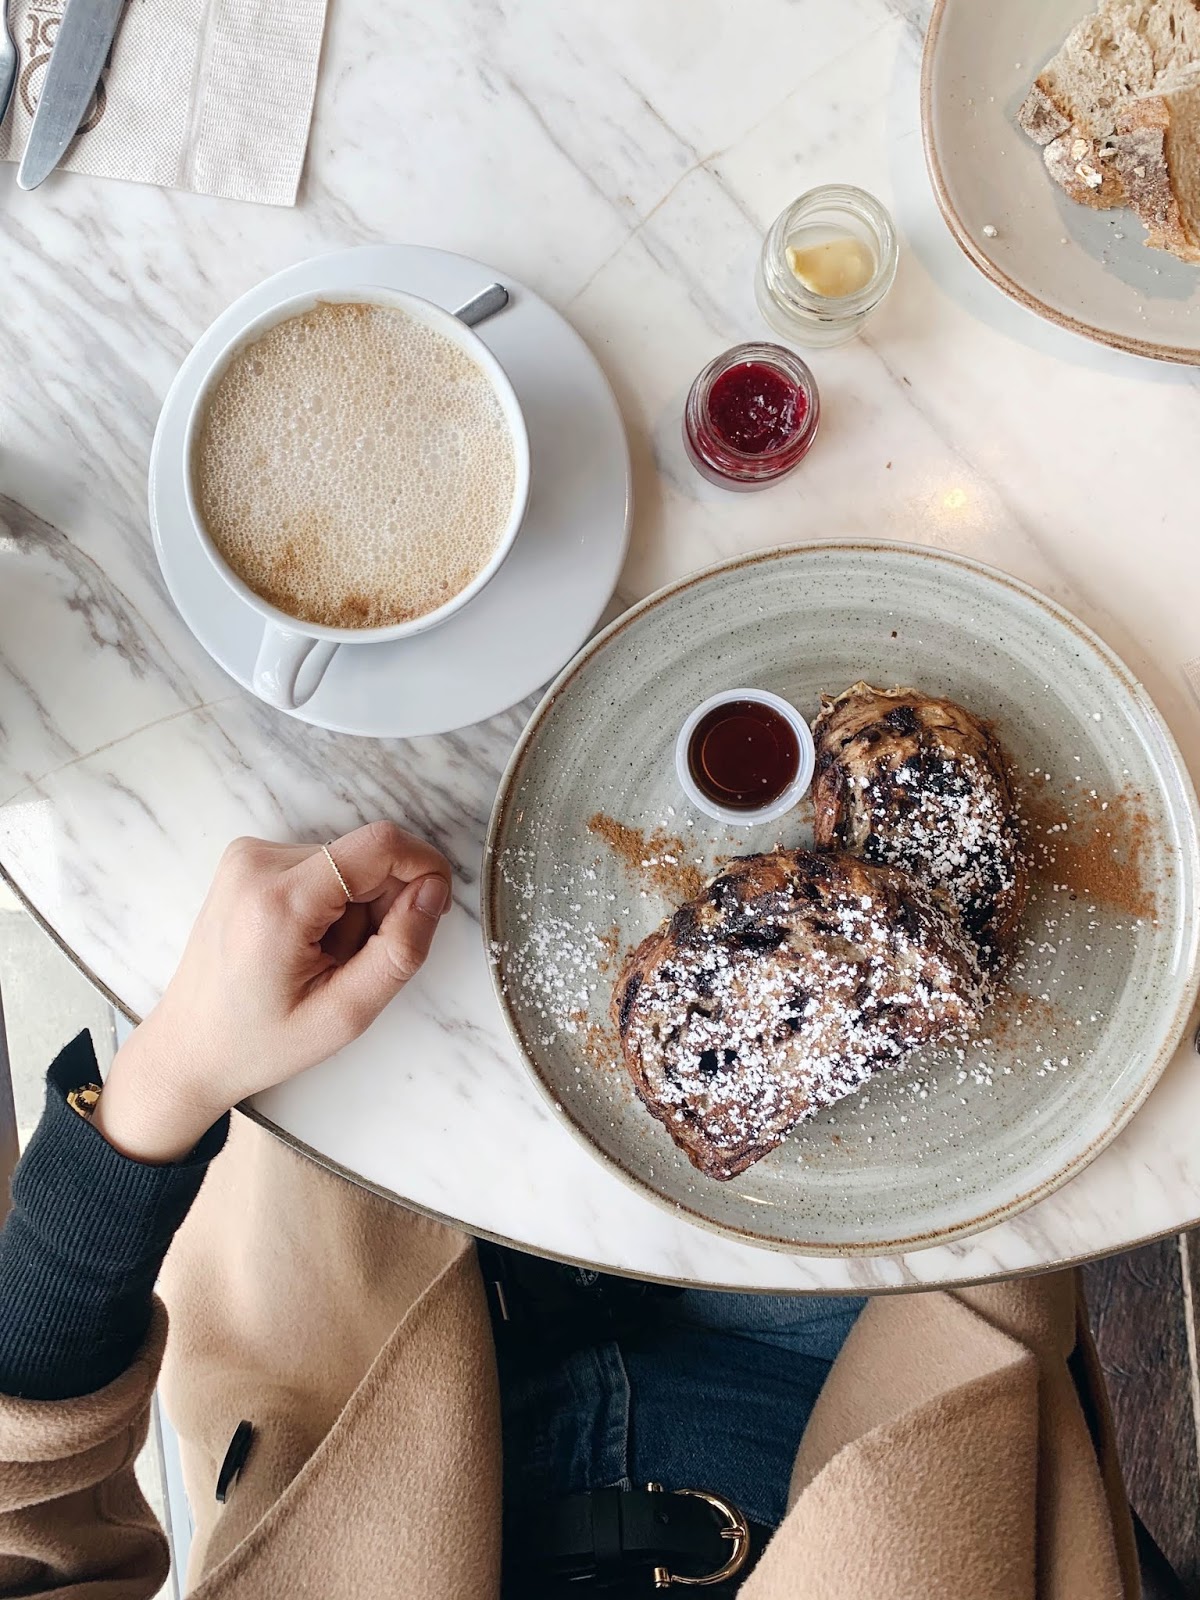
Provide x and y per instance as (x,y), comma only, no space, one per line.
(1082,269)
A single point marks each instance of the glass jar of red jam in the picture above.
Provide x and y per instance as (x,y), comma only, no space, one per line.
(751,416)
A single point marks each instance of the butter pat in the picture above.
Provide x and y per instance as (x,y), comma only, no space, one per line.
(835,268)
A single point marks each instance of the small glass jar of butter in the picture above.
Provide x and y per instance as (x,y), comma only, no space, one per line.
(827,262)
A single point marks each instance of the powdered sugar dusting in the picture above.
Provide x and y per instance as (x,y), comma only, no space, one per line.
(564,948)
(794,981)
(955,832)
(920,783)
(564,895)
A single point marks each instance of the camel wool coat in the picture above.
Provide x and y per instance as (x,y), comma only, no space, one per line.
(953,1455)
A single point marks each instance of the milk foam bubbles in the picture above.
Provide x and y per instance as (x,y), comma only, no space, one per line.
(354,466)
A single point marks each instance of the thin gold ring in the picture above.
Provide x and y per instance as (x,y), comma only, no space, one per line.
(336,870)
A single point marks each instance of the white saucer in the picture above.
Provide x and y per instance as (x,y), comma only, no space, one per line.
(546,598)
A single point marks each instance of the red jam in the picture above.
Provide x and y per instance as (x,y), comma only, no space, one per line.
(743,754)
(755,408)
(751,416)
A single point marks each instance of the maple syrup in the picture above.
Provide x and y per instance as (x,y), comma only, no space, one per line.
(743,754)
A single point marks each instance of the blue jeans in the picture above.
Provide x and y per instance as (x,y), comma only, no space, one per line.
(690,1389)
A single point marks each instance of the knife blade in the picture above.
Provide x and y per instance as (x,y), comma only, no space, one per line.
(85,36)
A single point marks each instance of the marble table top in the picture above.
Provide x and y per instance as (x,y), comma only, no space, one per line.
(623,160)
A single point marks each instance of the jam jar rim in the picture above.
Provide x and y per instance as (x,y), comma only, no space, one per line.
(781,359)
(783,803)
(783,284)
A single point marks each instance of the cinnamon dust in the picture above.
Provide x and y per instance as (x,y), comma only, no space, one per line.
(658,860)
(600,1042)
(610,948)
(1018,1016)
(1098,853)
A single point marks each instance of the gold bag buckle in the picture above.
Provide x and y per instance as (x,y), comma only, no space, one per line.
(736,1530)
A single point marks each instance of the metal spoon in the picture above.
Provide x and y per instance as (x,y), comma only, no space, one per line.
(483,305)
(9,60)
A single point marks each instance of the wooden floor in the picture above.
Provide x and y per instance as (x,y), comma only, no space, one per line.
(1144,1308)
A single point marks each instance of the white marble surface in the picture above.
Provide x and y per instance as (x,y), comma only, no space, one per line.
(623,160)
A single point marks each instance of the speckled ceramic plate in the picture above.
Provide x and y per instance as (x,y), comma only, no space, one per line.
(945,1147)
(1085,270)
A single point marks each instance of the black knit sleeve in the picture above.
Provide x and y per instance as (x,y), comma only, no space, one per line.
(83,1245)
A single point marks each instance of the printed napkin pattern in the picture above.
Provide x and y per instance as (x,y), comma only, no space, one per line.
(214,96)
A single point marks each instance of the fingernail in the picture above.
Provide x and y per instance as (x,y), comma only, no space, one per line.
(432,896)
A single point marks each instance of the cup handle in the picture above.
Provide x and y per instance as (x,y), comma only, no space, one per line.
(280,656)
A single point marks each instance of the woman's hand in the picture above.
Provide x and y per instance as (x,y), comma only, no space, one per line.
(279,972)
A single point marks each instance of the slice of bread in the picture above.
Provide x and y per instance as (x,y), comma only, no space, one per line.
(923,785)
(1125,50)
(788,983)
(1071,108)
(1157,146)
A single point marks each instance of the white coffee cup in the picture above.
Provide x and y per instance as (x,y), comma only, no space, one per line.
(288,643)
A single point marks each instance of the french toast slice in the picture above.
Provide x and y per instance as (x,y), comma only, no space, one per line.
(789,982)
(920,783)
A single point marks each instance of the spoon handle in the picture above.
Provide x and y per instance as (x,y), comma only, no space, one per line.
(483,305)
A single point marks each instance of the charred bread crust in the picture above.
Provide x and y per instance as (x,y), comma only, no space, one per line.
(789,982)
(922,784)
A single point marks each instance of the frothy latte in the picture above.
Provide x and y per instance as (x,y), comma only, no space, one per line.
(354,466)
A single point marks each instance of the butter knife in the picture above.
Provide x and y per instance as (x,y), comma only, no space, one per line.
(85,36)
